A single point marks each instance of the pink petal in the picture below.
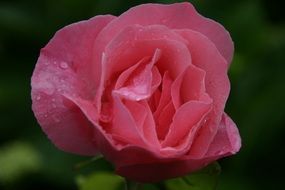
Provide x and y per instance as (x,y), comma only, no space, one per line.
(124,125)
(142,165)
(158,171)
(189,85)
(144,121)
(186,119)
(154,100)
(164,120)
(156,79)
(165,96)
(149,130)
(227,140)
(63,68)
(136,83)
(175,16)
(71,48)
(206,56)
(109,144)
(136,42)
(64,123)
(123,78)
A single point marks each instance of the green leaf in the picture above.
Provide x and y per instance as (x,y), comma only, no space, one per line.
(132,185)
(16,160)
(205,179)
(102,180)
(87,162)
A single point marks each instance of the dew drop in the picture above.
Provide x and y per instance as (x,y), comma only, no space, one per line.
(54,62)
(57,120)
(133,44)
(164,20)
(49,91)
(219,152)
(63,65)
(38,97)
(105,118)
(45,115)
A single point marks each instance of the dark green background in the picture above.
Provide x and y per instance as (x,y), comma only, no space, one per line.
(29,161)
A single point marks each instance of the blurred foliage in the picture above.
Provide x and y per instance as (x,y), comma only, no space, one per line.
(16,159)
(29,161)
(205,179)
(103,180)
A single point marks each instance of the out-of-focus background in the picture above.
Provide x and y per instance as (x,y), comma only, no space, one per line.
(29,161)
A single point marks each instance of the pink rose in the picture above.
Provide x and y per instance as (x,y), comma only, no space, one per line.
(146,89)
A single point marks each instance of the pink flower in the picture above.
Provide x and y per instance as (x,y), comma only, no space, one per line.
(146,89)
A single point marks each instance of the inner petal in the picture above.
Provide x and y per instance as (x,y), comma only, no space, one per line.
(136,83)
(124,124)
(165,95)
(164,110)
(187,117)
(192,105)
(164,120)
(144,121)
(216,84)
(134,42)
(189,85)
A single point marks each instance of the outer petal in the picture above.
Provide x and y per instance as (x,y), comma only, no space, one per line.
(62,68)
(157,171)
(175,16)
(227,140)
(206,56)
(111,149)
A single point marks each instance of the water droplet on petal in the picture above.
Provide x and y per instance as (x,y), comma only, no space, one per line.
(133,44)
(57,120)
(63,65)
(38,97)
(164,21)
(49,91)
(219,152)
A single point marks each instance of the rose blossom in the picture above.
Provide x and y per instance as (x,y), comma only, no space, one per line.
(146,89)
